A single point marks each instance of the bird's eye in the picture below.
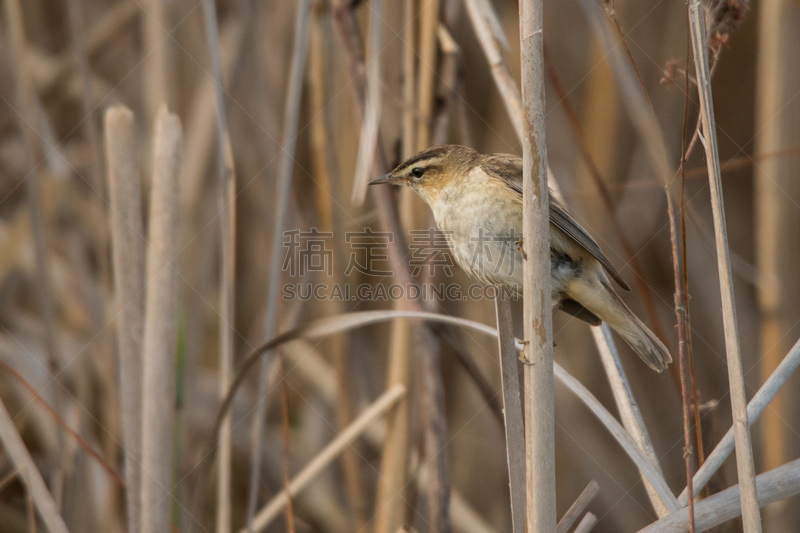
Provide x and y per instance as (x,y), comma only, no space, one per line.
(417,172)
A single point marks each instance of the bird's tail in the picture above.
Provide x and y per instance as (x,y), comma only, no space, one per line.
(609,307)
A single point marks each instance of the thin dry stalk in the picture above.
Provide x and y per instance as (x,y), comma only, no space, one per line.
(762,398)
(512,412)
(538,315)
(127,246)
(777,484)
(427,70)
(637,103)
(744,450)
(64,425)
(627,407)
(23,462)
(372,114)
(680,311)
(435,438)
(202,117)
(586,525)
(328,454)
(287,446)
(227,195)
(577,508)
(284,186)
(226,178)
(160,340)
(630,256)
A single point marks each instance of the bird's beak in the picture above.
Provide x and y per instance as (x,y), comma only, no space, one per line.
(387,178)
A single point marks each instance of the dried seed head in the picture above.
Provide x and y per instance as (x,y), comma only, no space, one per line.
(723,17)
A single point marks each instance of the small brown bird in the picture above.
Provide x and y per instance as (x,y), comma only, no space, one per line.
(477,203)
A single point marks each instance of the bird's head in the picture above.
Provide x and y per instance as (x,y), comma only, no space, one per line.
(431,170)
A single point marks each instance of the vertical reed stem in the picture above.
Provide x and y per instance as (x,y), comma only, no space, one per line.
(744,451)
(538,317)
(124,186)
(160,341)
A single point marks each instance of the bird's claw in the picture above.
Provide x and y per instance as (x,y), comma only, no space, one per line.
(518,245)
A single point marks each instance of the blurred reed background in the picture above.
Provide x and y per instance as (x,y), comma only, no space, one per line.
(319,96)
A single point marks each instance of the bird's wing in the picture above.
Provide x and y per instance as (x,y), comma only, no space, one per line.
(508,168)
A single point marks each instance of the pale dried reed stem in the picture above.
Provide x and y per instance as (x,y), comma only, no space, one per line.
(538,315)
(586,525)
(284,187)
(744,450)
(577,508)
(512,412)
(127,245)
(628,408)
(776,485)
(160,339)
(328,454)
(22,460)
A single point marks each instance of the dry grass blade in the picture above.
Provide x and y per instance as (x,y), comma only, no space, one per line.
(512,412)
(762,398)
(744,450)
(627,406)
(538,315)
(160,339)
(326,456)
(577,508)
(372,114)
(284,187)
(23,462)
(777,484)
(127,246)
